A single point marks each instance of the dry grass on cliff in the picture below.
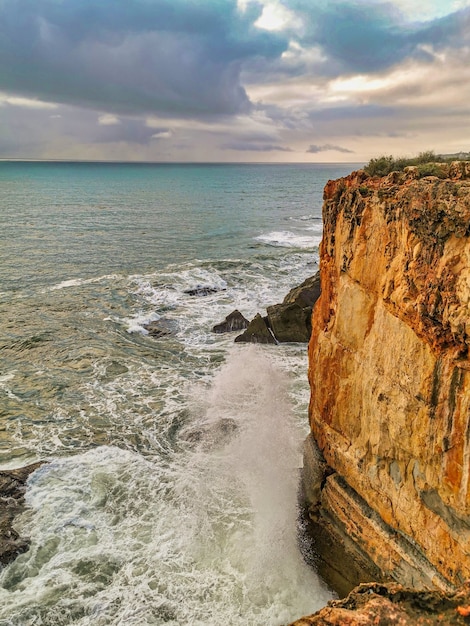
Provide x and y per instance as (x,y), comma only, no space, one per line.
(426,162)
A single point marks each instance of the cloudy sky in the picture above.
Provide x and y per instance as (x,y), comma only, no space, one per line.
(233,80)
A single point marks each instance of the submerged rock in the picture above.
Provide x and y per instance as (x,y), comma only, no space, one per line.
(201,291)
(233,321)
(12,489)
(157,329)
(257,332)
(375,604)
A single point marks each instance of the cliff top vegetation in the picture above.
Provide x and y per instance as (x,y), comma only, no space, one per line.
(426,162)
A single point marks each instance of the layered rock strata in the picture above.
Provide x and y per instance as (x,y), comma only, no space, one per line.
(394,605)
(387,468)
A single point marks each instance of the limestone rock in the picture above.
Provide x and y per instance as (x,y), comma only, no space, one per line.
(389,367)
(12,489)
(393,605)
(233,321)
(256,332)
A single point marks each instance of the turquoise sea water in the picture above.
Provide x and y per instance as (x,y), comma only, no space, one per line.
(169,492)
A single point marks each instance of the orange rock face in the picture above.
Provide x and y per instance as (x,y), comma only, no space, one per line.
(389,365)
(393,605)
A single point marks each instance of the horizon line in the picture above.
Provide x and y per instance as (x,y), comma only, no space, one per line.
(127,162)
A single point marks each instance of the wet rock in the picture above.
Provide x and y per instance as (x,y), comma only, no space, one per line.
(202,291)
(393,605)
(157,329)
(306,294)
(290,322)
(233,321)
(257,332)
(12,489)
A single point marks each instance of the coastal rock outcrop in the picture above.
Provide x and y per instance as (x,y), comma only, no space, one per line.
(287,321)
(12,489)
(393,605)
(234,321)
(387,465)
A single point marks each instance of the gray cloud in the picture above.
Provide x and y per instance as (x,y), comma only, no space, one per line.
(134,56)
(190,66)
(314,149)
(370,36)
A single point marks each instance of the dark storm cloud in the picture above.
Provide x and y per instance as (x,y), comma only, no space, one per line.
(315,149)
(136,56)
(365,36)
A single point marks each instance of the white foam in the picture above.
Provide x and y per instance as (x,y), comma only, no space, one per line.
(204,536)
(136,323)
(288,239)
(78,282)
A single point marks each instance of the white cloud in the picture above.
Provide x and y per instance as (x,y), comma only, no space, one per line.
(108,120)
(28,103)
(275,16)
(164,134)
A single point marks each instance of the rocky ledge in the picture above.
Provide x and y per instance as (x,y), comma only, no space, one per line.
(12,489)
(393,605)
(388,463)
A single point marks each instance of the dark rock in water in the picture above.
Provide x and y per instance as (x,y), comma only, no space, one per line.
(257,332)
(202,291)
(157,329)
(290,322)
(12,489)
(306,294)
(233,321)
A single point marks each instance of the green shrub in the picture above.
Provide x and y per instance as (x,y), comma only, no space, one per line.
(383,165)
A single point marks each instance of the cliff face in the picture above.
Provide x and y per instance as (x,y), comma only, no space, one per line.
(389,371)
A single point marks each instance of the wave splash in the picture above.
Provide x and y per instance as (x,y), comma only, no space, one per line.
(202,535)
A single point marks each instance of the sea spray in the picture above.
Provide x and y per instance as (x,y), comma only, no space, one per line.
(203,536)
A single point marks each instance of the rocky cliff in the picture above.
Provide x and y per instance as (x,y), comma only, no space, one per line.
(387,466)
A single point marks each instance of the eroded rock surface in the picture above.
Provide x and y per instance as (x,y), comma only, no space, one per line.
(12,489)
(393,605)
(390,372)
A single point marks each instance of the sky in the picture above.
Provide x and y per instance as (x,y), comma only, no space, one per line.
(233,80)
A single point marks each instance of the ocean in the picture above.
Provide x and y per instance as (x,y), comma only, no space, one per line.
(169,492)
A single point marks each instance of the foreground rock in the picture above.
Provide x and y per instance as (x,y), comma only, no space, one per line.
(393,605)
(12,489)
(257,331)
(288,321)
(233,321)
(387,471)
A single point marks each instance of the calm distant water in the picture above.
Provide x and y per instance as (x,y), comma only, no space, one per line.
(169,493)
